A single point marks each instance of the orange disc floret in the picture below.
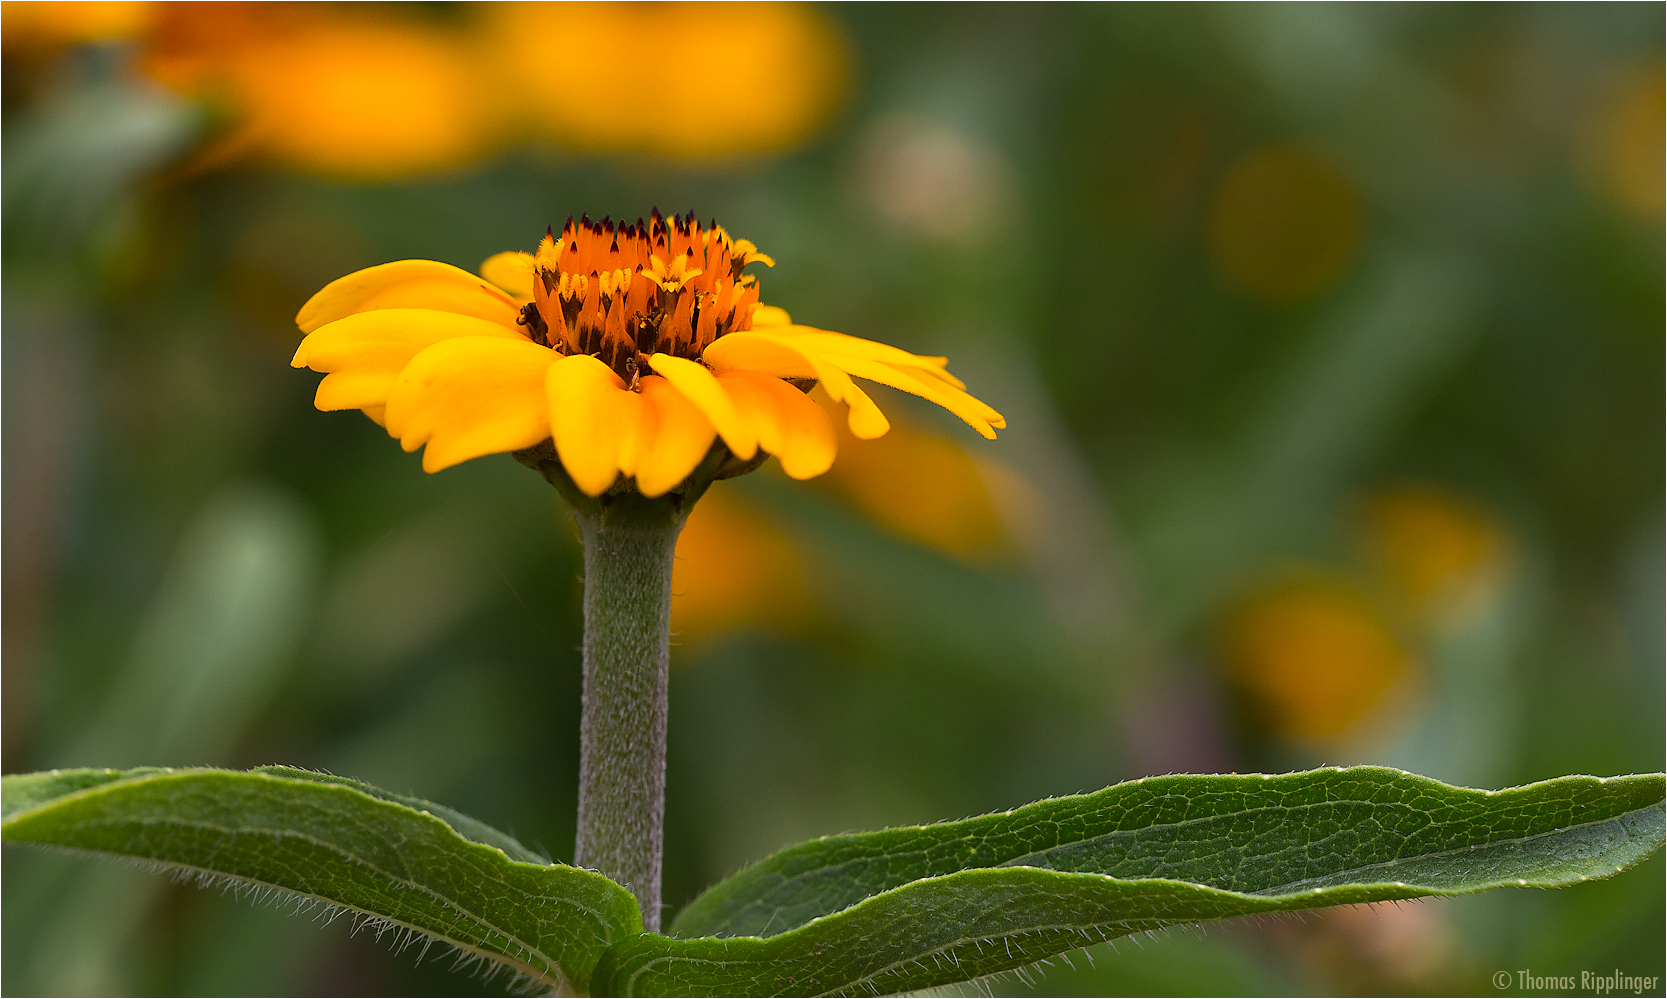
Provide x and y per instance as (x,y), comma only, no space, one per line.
(623,293)
(633,350)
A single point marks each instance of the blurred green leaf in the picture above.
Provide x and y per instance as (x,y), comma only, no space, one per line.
(83,149)
(216,640)
(415,865)
(212,649)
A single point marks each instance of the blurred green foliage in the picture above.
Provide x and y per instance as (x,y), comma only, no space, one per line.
(1466,292)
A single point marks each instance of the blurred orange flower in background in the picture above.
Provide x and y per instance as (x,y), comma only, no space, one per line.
(739,569)
(1314,657)
(736,568)
(370,92)
(357,95)
(922,486)
(1284,224)
(1441,554)
(1318,655)
(40,24)
(610,77)
(1627,144)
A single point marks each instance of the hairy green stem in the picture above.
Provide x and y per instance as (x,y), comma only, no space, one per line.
(629,548)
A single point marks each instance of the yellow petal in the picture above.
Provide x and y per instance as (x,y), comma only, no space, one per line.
(948,379)
(470,396)
(782,357)
(770,315)
(355,389)
(407,284)
(362,354)
(952,399)
(592,416)
(947,392)
(693,380)
(825,342)
(790,426)
(342,343)
(755,351)
(680,437)
(512,271)
(635,426)
(375,414)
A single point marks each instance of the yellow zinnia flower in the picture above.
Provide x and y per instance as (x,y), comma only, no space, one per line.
(633,348)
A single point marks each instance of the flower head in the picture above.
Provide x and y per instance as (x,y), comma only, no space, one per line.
(635,350)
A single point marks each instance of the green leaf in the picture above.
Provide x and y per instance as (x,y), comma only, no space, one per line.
(408,862)
(891,911)
(910,908)
(467,827)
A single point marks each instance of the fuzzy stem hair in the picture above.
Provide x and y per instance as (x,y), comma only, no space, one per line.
(629,549)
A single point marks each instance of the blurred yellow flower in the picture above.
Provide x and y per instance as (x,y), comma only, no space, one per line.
(1284,223)
(1629,140)
(361,97)
(51,23)
(735,568)
(1314,657)
(924,487)
(764,76)
(632,348)
(1440,553)
(368,91)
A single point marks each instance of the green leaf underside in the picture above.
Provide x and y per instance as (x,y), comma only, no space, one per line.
(872,913)
(341,842)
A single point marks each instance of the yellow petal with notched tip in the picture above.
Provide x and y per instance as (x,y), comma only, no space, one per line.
(780,356)
(693,380)
(589,408)
(965,406)
(790,426)
(677,434)
(512,271)
(770,315)
(470,396)
(947,394)
(862,416)
(407,284)
(826,342)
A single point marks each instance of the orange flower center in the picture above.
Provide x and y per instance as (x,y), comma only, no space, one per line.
(625,292)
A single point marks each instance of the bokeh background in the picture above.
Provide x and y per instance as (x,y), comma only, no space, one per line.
(1330,339)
